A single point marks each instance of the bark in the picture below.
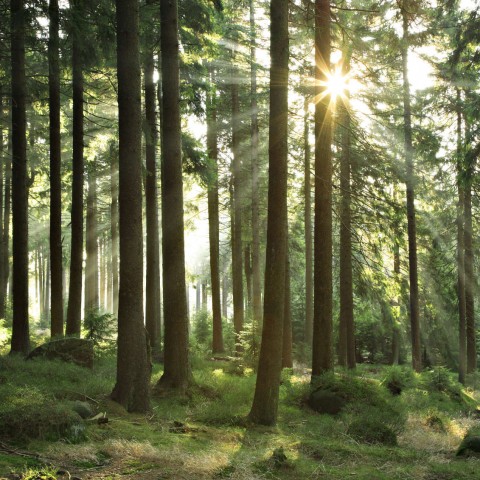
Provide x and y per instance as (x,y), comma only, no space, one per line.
(247,252)
(256,269)
(308,231)
(177,373)
(2,246)
(469,275)
(152,300)
(411,215)
(20,327)
(287,354)
(74,308)
(462,326)
(225,296)
(265,402)
(214,222)
(56,255)
(6,218)
(347,329)
(322,348)
(114,228)
(91,262)
(237,251)
(132,389)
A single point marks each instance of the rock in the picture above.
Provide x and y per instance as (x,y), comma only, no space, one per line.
(470,444)
(326,401)
(72,350)
(83,409)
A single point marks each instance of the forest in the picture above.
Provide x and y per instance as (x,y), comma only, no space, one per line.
(238,239)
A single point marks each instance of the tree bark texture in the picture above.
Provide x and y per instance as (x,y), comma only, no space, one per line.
(265,403)
(132,389)
(322,347)
(20,326)
(152,300)
(177,374)
(74,309)
(411,215)
(56,255)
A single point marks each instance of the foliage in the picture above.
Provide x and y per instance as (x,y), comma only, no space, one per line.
(100,327)
(369,429)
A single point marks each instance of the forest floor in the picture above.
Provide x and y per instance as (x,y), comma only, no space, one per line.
(205,435)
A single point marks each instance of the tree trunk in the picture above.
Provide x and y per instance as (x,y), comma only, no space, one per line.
(114,227)
(256,273)
(322,347)
(91,262)
(6,218)
(56,256)
(225,296)
(74,308)
(308,230)
(347,328)
(287,358)
(462,325)
(152,300)
(132,389)
(469,275)
(412,228)
(213,221)
(20,326)
(265,402)
(237,251)
(247,252)
(177,373)
(2,162)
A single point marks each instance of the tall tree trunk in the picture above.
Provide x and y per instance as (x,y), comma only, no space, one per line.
(91,262)
(2,163)
(237,251)
(287,354)
(256,270)
(322,348)
(114,227)
(469,274)
(225,295)
(177,372)
(152,301)
(74,308)
(132,389)
(247,252)
(6,217)
(102,251)
(265,402)
(410,184)
(308,229)
(56,256)
(20,326)
(213,220)
(462,325)
(347,329)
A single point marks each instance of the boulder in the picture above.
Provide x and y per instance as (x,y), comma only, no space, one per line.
(326,401)
(470,445)
(73,350)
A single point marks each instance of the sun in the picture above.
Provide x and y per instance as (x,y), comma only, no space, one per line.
(337,84)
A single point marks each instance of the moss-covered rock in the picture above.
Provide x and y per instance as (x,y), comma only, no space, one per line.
(73,350)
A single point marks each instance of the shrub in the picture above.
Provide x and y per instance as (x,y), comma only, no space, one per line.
(398,379)
(372,430)
(100,327)
(440,379)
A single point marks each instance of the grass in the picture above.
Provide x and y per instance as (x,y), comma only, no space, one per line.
(429,420)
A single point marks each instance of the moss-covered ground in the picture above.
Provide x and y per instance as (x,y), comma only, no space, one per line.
(205,435)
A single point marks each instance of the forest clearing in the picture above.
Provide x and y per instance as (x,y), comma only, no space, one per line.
(239,239)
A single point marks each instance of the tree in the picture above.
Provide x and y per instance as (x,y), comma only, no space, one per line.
(213,219)
(152,297)
(411,215)
(91,246)
(132,389)
(56,257)
(265,402)
(74,309)
(322,356)
(177,373)
(20,326)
